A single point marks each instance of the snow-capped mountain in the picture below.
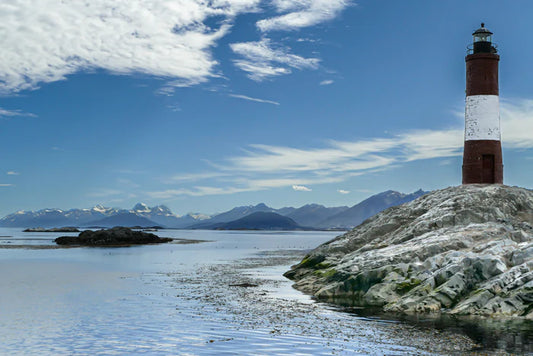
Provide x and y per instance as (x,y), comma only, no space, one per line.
(163,216)
(56,217)
(311,215)
(160,215)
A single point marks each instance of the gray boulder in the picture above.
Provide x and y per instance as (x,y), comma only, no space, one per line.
(460,250)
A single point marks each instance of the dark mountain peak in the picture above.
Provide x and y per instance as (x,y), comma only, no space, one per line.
(260,220)
(388,193)
(369,207)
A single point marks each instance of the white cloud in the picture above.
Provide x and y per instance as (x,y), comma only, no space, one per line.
(301,188)
(12,173)
(342,191)
(327,82)
(244,97)
(13,113)
(517,123)
(46,40)
(262,61)
(302,13)
(5,185)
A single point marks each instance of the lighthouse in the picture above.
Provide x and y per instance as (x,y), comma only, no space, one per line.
(482,157)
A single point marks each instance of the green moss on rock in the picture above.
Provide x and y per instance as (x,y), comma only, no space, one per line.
(406,286)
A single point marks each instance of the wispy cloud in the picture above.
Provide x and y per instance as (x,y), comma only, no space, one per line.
(191,177)
(127,183)
(264,167)
(104,193)
(197,191)
(244,97)
(129,171)
(111,196)
(327,82)
(12,173)
(296,14)
(12,113)
(5,185)
(301,188)
(174,108)
(261,60)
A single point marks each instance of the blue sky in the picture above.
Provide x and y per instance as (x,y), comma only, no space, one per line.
(287,102)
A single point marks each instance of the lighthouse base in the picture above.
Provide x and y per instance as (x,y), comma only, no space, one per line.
(482,162)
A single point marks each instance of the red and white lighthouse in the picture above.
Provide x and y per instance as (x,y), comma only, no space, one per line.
(482,157)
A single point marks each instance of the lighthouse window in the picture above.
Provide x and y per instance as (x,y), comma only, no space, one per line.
(482,38)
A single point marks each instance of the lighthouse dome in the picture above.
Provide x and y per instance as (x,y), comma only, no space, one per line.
(482,31)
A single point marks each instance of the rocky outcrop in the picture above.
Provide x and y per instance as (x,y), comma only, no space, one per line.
(117,236)
(460,250)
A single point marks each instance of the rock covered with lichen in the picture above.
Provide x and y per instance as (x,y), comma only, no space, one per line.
(460,250)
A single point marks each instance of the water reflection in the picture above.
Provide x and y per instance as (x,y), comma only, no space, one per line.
(511,335)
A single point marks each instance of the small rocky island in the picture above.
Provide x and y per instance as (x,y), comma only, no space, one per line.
(55,229)
(117,236)
(464,250)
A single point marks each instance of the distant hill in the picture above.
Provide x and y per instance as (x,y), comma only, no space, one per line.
(123,219)
(231,215)
(259,221)
(358,213)
(313,214)
(285,211)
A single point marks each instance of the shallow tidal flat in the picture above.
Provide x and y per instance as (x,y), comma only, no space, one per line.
(223,297)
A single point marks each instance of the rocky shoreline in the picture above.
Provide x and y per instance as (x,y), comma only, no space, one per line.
(464,250)
(240,292)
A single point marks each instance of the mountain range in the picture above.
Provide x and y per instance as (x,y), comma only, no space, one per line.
(308,216)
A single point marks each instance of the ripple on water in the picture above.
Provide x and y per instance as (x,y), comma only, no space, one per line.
(176,299)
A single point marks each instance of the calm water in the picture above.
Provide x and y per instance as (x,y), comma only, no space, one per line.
(181,299)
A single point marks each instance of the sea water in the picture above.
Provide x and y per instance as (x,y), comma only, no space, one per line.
(186,299)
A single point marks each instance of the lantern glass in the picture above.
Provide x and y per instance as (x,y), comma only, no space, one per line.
(482,37)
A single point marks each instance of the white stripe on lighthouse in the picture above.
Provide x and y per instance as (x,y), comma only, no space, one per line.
(482,117)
